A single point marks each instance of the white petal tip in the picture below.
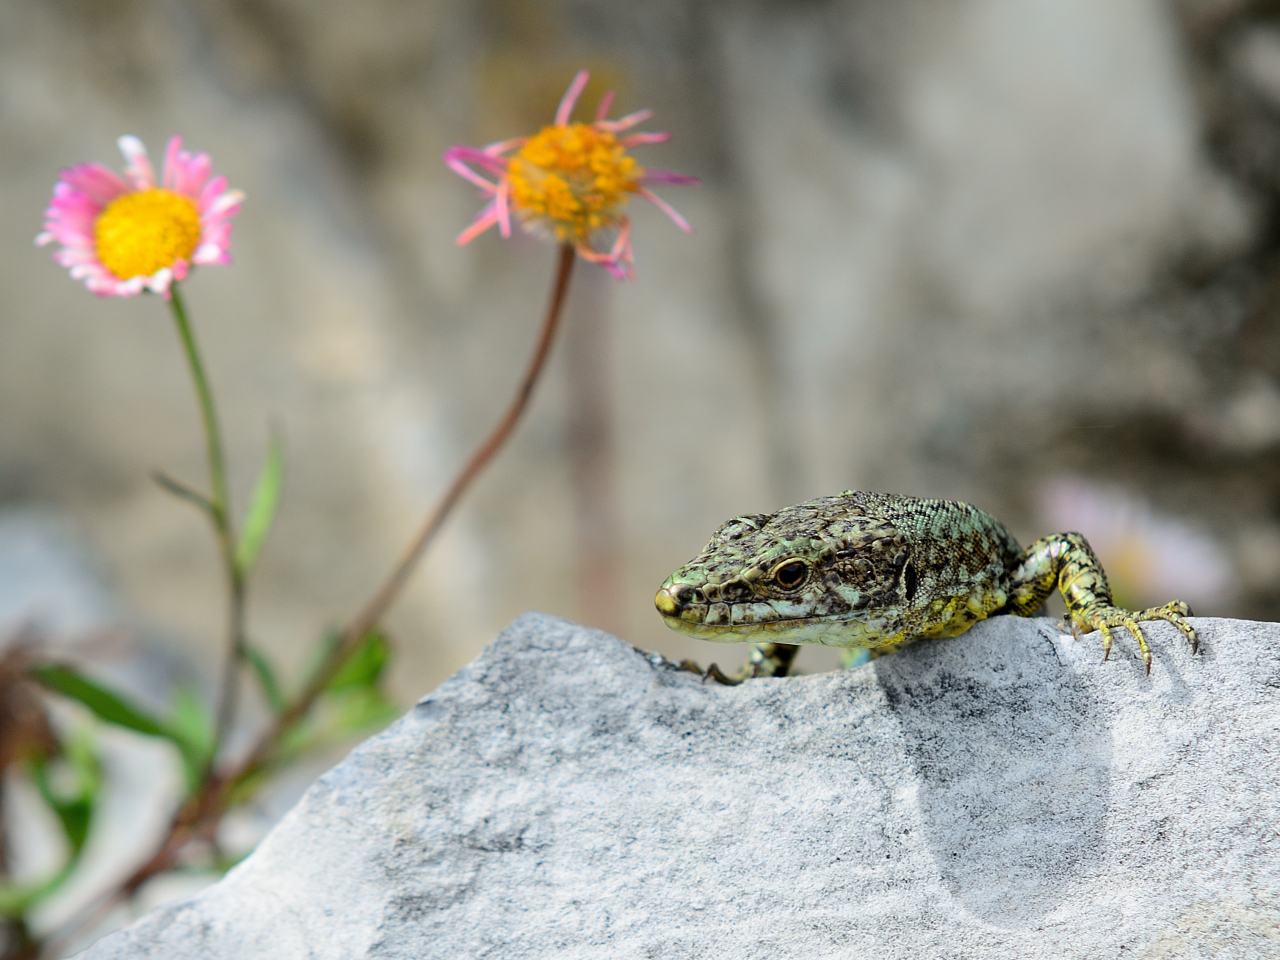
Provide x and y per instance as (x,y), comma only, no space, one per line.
(131,147)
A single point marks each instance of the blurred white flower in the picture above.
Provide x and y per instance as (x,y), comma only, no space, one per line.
(1150,558)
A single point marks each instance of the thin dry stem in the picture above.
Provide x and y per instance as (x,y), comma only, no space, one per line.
(198,817)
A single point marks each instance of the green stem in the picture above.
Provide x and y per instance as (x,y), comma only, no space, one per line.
(200,814)
(220,516)
(212,435)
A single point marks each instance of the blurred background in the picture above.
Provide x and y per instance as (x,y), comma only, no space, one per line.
(1022,254)
(1017,252)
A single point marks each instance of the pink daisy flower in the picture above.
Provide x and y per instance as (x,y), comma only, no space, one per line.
(569,182)
(123,235)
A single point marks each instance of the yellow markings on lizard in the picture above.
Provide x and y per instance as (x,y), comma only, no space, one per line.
(877,571)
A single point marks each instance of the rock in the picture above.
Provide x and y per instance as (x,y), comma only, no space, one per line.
(1002,794)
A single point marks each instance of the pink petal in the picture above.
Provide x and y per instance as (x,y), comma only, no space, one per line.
(669,176)
(71,239)
(225,205)
(217,235)
(159,281)
(173,157)
(190,177)
(622,245)
(483,221)
(456,158)
(501,147)
(565,110)
(210,193)
(76,256)
(69,200)
(485,157)
(102,286)
(636,139)
(71,226)
(666,208)
(627,122)
(618,260)
(500,207)
(606,102)
(210,253)
(137,164)
(93,181)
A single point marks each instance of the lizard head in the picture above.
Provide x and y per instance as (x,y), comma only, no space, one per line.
(812,573)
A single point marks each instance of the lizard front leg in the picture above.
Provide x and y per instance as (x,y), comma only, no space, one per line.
(766,660)
(769,660)
(1066,560)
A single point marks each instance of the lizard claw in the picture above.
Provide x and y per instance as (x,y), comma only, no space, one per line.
(712,672)
(716,674)
(1104,617)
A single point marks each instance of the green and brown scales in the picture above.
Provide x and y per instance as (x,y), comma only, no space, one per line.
(876,571)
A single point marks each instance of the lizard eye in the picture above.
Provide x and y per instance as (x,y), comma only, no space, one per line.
(791,574)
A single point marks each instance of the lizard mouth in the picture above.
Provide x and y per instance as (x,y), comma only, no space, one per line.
(759,622)
(827,631)
(686,610)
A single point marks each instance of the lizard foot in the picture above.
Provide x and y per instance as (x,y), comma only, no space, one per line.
(712,672)
(766,660)
(1103,617)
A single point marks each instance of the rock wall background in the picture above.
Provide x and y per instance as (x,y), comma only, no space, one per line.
(1022,253)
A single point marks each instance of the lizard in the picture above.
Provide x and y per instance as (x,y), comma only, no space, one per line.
(876,571)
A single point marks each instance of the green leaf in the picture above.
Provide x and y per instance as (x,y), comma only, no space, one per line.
(17,898)
(365,665)
(191,728)
(108,706)
(267,678)
(320,655)
(184,492)
(72,802)
(262,508)
(358,711)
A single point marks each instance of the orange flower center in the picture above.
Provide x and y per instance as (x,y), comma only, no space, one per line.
(574,178)
(139,233)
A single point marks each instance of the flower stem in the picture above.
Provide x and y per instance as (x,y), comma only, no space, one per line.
(220,516)
(376,607)
(198,817)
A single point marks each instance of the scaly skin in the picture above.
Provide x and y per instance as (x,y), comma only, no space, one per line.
(877,571)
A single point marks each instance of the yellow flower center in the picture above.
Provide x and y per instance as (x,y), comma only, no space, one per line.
(575,179)
(138,233)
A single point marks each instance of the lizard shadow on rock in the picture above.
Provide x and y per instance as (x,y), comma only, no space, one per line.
(1013,754)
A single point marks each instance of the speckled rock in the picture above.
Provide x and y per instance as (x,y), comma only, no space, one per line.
(1003,794)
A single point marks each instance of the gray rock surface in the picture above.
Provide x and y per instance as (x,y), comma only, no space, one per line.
(1003,794)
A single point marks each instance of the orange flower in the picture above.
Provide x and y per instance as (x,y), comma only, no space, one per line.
(570,182)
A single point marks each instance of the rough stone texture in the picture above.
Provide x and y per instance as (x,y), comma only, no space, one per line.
(1003,794)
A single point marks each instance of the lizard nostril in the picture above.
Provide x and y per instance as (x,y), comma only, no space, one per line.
(686,595)
(673,599)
